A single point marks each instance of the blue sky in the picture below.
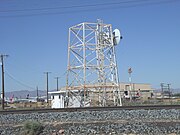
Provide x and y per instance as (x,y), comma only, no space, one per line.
(36,41)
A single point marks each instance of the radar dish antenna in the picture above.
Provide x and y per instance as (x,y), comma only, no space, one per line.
(116,37)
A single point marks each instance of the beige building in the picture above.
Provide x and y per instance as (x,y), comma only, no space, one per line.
(134,90)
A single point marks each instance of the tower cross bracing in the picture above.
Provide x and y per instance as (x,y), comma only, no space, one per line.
(92,67)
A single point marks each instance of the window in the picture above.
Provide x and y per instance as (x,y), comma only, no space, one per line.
(126,93)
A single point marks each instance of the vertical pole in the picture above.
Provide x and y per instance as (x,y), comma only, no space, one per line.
(117,99)
(57,83)
(169,89)
(130,83)
(84,63)
(2,68)
(2,81)
(37,94)
(47,84)
(68,69)
(162,89)
(168,85)
(101,77)
(97,57)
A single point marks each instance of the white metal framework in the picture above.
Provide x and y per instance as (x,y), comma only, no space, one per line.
(92,67)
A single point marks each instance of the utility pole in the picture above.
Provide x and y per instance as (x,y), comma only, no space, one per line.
(47,83)
(169,90)
(162,90)
(57,78)
(170,93)
(2,66)
(37,94)
(130,83)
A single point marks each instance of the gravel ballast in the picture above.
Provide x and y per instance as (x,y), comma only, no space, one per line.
(97,122)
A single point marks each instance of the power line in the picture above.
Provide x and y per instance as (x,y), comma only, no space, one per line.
(60,77)
(76,6)
(22,83)
(19,82)
(136,3)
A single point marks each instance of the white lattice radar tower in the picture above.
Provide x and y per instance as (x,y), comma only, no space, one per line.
(92,75)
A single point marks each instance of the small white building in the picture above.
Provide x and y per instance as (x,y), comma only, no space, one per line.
(59,100)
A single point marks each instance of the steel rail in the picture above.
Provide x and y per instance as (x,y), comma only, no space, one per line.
(109,108)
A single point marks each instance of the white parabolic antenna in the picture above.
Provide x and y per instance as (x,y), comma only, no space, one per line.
(116,36)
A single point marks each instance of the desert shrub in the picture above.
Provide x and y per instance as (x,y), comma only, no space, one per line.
(32,128)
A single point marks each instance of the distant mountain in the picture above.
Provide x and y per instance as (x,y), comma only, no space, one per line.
(24,93)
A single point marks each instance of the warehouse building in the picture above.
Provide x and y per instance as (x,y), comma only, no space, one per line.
(135,90)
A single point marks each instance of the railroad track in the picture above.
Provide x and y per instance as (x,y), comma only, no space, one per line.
(47,110)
